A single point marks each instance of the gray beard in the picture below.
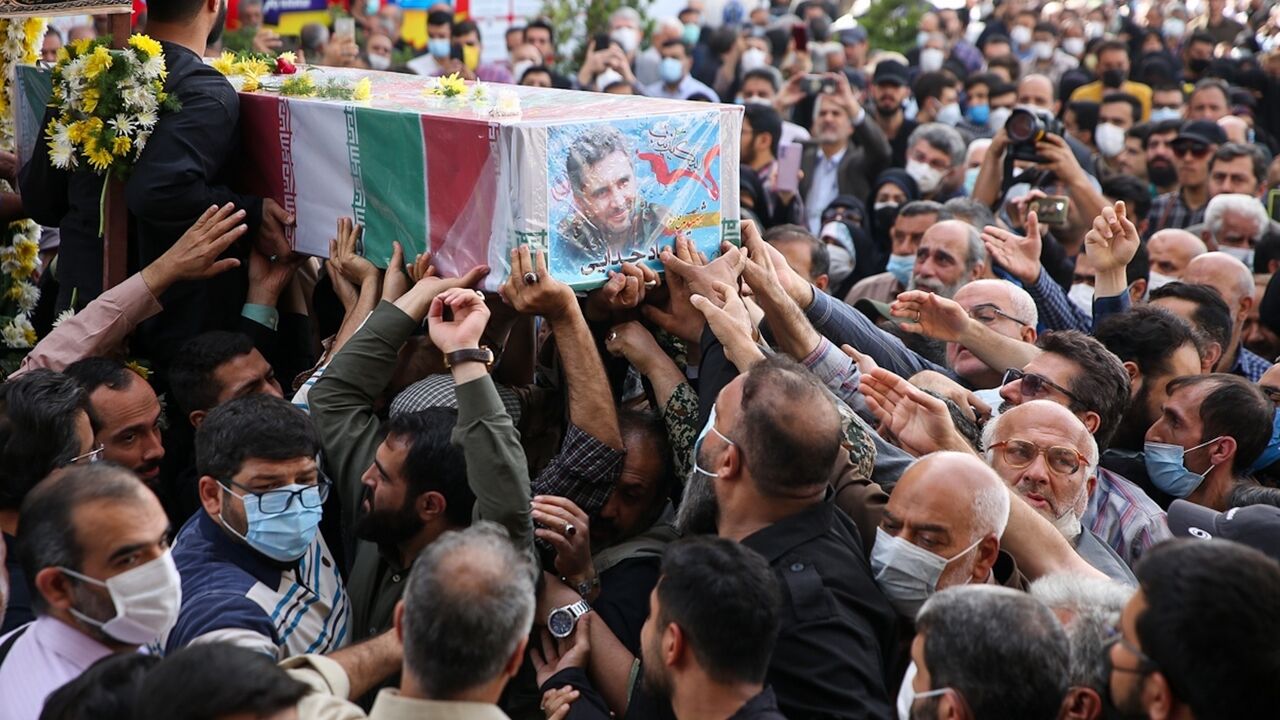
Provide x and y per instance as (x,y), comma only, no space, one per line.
(699,509)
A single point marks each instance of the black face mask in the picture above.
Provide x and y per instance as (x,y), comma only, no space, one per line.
(1197,65)
(885,218)
(1112,78)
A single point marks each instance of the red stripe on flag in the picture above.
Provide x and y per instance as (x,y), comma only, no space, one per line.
(262,170)
(460,176)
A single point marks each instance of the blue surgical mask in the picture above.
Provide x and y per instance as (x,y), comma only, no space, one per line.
(283,536)
(671,70)
(901,267)
(970,180)
(1168,471)
(1271,453)
(979,114)
(439,48)
(1162,114)
(691,34)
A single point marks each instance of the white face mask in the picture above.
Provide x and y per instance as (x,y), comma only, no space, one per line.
(1244,255)
(998,118)
(627,37)
(931,59)
(927,177)
(1073,46)
(906,573)
(1156,280)
(379,62)
(1174,28)
(1162,114)
(753,58)
(147,599)
(1020,34)
(1082,295)
(1109,139)
(607,78)
(840,265)
(1043,50)
(950,114)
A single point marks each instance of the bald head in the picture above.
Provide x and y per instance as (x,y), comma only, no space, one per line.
(1237,130)
(1036,90)
(1230,277)
(1171,250)
(962,486)
(1046,425)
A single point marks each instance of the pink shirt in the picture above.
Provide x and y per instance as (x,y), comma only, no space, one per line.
(48,655)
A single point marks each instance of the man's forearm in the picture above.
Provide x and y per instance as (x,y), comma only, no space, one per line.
(986,189)
(366,301)
(995,350)
(611,665)
(590,401)
(369,663)
(792,332)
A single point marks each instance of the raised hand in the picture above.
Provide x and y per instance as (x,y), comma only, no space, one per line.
(553,655)
(271,239)
(566,527)
(678,317)
(545,295)
(463,331)
(971,406)
(268,278)
(1019,254)
(556,703)
(195,255)
(633,341)
(730,320)
(760,270)
(931,315)
(343,255)
(395,283)
(1113,240)
(625,290)
(909,417)
(428,285)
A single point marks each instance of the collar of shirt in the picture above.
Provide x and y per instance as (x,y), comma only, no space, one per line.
(391,705)
(224,547)
(764,704)
(833,161)
(774,541)
(68,643)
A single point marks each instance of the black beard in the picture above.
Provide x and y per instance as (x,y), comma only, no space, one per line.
(699,509)
(889,112)
(1162,175)
(1131,435)
(389,528)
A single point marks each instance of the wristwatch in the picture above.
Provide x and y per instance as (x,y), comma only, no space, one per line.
(563,620)
(480,354)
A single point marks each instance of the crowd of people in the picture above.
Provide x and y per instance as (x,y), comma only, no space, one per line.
(978,420)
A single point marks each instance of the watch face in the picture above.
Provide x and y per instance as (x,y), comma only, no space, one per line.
(560,623)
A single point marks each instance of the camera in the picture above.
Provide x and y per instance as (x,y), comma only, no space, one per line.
(1027,126)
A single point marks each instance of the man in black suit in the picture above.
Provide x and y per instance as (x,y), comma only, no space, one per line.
(847,153)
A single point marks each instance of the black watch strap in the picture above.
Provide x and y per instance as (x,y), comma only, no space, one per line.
(480,354)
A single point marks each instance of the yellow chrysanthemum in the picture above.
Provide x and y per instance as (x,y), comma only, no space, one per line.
(82,45)
(363,89)
(14,293)
(121,145)
(26,250)
(89,99)
(145,44)
(63,55)
(101,158)
(452,85)
(252,68)
(77,131)
(30,335)
(137,367)
(99,62)
(250,84)
(225,63)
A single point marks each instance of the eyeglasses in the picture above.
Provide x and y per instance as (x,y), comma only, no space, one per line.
(274,502)
(1272,392)
(1021,453)
(1198,150)
(986,314)
(93,456)
(1033,386)
(1145,663)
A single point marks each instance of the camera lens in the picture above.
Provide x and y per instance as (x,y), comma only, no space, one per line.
(1022,126)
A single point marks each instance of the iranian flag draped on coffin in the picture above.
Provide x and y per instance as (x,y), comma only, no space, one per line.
(594,179)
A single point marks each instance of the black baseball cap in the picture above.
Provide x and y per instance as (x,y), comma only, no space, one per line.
(891,71)
(1203,131)
(1257,526)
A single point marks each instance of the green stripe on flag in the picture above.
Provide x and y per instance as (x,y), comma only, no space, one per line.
(389,181)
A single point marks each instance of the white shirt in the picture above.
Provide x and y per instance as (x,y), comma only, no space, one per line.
(685,89)
(49,654)
(825,187)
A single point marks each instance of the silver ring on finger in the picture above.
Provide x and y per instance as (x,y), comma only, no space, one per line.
(651,284)
(611,337)
(570,530)
(917,317)
(530,278)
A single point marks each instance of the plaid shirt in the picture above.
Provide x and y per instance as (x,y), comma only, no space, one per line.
(1250,365)
(584,471)
(1124,517)
(1056,310)
(1170,210)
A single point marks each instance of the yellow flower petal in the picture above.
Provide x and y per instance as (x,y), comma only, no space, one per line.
(146,44)
(363,89)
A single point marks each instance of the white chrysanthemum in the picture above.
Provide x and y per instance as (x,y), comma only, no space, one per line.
(62,154)
(146,119)
(64,316)
(9,262)
(30,296)
(140,141)
(153,68)
(137,98)
(123,124)
(14,336)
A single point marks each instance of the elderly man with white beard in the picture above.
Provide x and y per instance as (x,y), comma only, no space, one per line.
(1047,455)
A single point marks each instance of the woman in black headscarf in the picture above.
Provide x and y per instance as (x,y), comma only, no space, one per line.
(893,189)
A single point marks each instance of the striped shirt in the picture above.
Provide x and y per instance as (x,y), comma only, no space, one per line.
(1124,517)
(232,593)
